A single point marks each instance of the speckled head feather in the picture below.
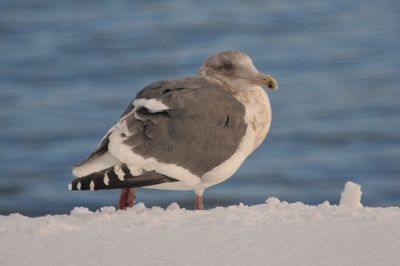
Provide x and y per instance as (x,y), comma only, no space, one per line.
(235,69)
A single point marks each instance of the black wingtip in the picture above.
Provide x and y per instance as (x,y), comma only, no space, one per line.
(111,179)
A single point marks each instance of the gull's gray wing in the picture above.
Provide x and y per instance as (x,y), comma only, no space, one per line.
(201,127)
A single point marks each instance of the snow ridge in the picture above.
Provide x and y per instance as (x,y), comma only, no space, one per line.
(273,233)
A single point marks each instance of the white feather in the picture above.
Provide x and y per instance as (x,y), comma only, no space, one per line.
(152,105)
(96,164)
(118,171)
(92,185)
(106,179)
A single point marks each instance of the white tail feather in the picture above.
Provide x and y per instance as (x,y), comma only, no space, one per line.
(95,164)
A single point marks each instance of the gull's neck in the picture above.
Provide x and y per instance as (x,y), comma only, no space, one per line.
(231,89)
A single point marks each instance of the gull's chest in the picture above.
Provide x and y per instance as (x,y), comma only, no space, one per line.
(258,120)
(258,115)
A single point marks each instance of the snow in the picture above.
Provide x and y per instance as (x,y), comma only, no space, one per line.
(351,195)
(273,233)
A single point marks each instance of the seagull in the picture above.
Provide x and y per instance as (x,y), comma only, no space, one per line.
(186,134)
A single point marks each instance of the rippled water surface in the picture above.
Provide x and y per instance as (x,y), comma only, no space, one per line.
(69,68)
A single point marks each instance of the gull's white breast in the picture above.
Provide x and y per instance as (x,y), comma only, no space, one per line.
(258,119)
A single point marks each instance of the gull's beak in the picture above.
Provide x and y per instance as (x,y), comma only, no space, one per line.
(267,81)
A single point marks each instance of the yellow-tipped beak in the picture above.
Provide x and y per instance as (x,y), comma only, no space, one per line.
(268,81)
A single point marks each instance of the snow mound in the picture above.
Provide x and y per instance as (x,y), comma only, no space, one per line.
(351,195)
(274,233)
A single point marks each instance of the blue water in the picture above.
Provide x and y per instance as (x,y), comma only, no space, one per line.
(69,68)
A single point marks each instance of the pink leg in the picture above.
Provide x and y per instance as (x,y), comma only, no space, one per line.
(199,202)
(126,198)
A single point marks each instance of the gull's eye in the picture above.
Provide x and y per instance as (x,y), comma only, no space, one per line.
(227,66)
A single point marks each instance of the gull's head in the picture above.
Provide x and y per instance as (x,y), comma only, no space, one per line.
(236,69)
